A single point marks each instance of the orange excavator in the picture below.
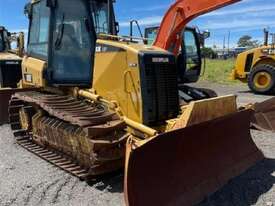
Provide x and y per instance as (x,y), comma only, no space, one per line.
(177,17)
(93,102)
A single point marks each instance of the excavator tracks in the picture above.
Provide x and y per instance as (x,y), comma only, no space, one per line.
(81,138)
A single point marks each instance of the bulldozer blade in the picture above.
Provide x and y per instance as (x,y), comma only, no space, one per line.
(5,96)
(184,166)
(264,117)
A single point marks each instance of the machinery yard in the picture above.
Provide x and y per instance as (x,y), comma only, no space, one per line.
(91,115)
(29,180)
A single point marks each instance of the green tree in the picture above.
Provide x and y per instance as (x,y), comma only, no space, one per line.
(247,41)
(208,52)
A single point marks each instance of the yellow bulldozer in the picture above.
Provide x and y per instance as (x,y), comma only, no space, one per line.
(257,67)
(10,59)
(91,102)
(10,66)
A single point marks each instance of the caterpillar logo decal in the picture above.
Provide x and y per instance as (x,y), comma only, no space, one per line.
(101,48)
(160,60)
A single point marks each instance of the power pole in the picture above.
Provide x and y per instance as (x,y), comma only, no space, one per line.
(223,49)
(229,35)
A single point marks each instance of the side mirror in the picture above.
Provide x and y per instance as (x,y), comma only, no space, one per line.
(203,36)
(27,10)
(206,34)
(9,34)
(117,27)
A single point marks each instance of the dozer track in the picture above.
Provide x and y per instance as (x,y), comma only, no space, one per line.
(5,96)
(80,137)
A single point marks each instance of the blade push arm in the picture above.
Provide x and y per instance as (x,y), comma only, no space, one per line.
(177,17)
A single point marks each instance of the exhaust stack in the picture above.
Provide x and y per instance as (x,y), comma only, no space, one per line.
(266,34)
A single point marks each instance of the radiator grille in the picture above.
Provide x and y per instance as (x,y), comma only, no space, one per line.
(159,88)
(10,73)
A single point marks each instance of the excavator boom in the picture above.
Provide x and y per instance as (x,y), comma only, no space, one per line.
(177,17)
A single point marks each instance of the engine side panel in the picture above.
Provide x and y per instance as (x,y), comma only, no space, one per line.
(116,81)
(141,80)
(32,72)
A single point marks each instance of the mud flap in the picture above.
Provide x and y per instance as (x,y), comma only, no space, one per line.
(184,166)
(5,96)
(264,117)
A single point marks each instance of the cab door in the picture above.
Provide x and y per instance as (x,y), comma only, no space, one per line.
(189,59)
(72,46)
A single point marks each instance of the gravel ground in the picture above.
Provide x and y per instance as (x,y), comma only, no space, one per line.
(27,180)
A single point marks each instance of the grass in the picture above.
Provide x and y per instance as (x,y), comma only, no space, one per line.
(219,71)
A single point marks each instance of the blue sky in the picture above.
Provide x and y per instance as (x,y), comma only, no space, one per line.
(246,17)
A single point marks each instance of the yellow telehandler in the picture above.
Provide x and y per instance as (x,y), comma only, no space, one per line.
(92,102)
(257,67)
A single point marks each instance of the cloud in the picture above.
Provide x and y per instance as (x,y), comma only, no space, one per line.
(153,20)
(245,10)
(239,24)
(153,8)
(253,11)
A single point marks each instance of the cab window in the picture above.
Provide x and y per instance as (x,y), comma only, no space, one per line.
(191,50)
(99,10)
(151,34)
(1,42)
(73,44)
(39,30)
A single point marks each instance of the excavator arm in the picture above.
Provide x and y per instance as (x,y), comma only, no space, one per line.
(177,17)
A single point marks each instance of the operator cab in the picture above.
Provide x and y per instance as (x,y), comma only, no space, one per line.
(63,34)
(4,43)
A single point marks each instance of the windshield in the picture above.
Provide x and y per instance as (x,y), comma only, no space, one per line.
(151,34)
(99,11)
(1,42)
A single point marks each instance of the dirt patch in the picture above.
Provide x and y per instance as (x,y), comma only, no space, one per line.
(28,180)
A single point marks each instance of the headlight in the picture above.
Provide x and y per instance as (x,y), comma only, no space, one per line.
(28,77)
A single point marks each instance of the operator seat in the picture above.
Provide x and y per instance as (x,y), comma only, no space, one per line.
(69,40)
